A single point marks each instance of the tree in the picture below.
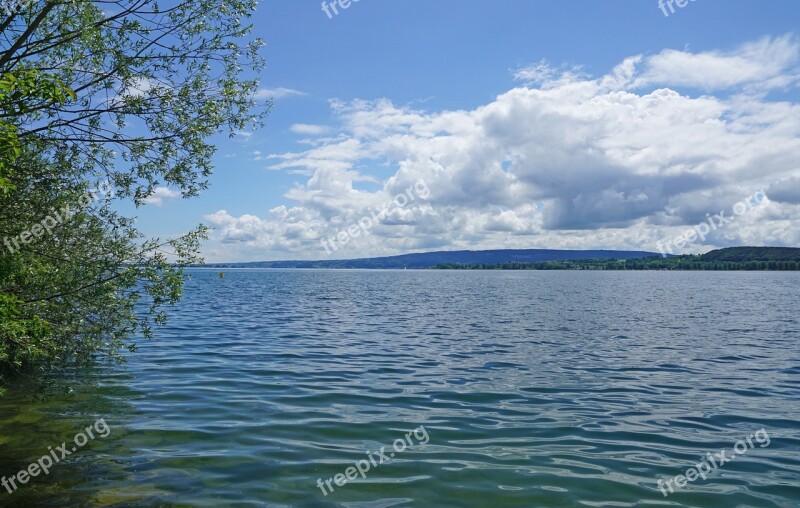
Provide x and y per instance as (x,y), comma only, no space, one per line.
(125,92)
(15,87)
(173,72)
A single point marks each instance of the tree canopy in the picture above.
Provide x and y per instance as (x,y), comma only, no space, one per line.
(120,95)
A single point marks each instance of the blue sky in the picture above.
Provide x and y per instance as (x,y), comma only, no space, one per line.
(533,124)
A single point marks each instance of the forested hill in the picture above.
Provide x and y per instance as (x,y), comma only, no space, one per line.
(733,258)
(464,257)
(744,254)
(737,258)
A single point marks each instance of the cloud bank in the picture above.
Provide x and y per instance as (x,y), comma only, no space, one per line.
(564,160)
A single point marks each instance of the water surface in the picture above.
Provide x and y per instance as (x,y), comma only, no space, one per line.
(534,389)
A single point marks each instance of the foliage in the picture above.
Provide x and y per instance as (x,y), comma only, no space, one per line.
(743,254)
(15,88)
(129,93)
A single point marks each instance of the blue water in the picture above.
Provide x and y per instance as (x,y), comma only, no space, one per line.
(524,389)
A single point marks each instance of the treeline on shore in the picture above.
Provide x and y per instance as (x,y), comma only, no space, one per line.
(731,259)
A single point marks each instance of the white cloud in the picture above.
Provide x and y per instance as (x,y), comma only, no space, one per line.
(277,93)
(618,161)
(545,75)
(138,87)
(764,64)
(160,195)
(309,129)
(257,155)
(536,73)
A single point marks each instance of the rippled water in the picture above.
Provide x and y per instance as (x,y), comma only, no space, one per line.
(533,389)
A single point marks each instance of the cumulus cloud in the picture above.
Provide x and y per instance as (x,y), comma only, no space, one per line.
(160,195)
(786,191)
(622,160)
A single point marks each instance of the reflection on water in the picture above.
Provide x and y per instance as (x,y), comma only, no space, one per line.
(535,389)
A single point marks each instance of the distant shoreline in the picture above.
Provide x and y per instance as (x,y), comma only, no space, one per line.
(729,259)
(680,263)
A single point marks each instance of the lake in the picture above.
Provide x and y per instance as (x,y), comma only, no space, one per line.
(455,388)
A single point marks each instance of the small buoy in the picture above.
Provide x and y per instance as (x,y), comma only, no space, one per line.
(221,275)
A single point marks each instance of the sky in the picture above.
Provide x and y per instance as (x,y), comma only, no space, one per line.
(421,125)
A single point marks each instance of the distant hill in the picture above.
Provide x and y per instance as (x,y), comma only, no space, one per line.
(738,258)
(744,254)
(463,257)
